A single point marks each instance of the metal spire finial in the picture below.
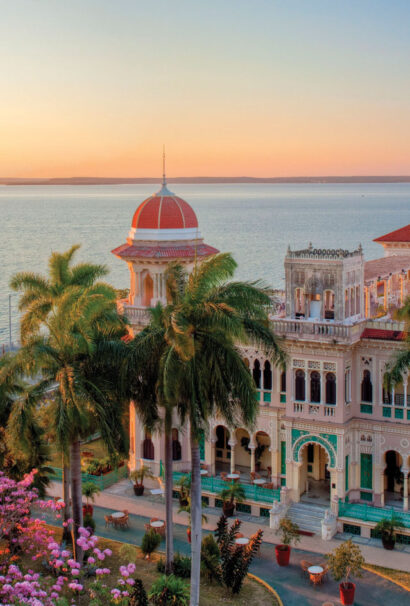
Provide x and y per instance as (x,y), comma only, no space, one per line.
(164,179)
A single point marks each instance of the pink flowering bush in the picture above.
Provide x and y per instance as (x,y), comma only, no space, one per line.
(63,581)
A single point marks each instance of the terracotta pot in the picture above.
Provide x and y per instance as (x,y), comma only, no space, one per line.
(388,542)
(282,553)
(228,509)
(188,532)
(347,593)
(138,490)
(88,510)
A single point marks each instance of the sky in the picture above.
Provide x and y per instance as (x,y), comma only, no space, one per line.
(231,87)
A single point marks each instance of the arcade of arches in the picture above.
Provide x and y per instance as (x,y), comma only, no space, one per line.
(238,450)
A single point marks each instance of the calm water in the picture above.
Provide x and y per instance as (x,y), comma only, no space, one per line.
(254,222)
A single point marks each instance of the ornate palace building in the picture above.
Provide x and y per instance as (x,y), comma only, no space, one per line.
(327,433)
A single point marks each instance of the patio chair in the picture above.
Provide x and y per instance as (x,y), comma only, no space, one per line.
(154,520)
(269,472)
(108,521)
(254,476)
(123,522)
(317,579)
(268,485)
(325,571)
(304,564)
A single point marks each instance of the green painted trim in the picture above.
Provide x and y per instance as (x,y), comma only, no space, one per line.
(283,398)
(366,409)
(311,439)
(267,396)
(398,413)
(386,412)
(366,471)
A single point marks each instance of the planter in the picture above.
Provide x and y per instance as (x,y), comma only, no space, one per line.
(388,542)
(88,510)
(188,532)
(228,509)
(138,490)
(347,593)
(282,553)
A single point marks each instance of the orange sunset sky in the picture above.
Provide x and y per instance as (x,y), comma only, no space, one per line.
(232,87)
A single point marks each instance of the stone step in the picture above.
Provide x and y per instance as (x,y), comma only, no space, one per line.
(306,516)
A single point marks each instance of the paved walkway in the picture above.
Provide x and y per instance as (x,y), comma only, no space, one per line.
(120,496)
(292,587)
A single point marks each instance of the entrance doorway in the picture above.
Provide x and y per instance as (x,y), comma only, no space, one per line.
(222,449)
(393,479)
(314,477)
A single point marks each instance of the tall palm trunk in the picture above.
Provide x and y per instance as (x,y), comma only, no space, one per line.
(196,520)
(67,537)
(76,496)
(169,555)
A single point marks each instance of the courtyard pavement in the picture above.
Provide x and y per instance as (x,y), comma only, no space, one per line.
(292,587)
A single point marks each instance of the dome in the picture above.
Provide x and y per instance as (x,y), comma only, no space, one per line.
(164,210)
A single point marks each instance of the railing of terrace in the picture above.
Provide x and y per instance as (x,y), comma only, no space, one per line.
(369,513)
(252,491)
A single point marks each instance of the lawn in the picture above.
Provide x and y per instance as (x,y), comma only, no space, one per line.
(395,575)
(97,447)
(211,594)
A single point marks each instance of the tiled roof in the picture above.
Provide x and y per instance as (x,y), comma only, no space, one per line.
(164,252)
(385,266)
(399,235)
(383,335)
(164,210)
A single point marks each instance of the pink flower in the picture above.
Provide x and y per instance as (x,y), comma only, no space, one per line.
(91,560)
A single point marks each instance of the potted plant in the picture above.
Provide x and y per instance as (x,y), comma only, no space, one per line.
(90,490)
(187,508)
(138,476)
(259,450)
(290,532)
(387,528)
(344,562)
(231,495)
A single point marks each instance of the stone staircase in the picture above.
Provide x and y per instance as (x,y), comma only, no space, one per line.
(306,516)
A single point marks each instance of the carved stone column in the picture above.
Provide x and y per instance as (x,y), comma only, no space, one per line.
(232,444)
(405,489)
(252,449)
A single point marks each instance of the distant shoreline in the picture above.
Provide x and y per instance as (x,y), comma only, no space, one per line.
(202,180)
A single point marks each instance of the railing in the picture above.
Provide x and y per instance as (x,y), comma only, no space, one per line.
(252,491)
(369,513)
(139,315)
(398,399)
(306,328)
(103,481)
(314,409)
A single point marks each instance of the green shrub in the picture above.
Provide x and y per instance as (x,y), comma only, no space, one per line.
(211,559)
(138,595)
(150,542)
(128,553)
(167,591)
(181,568)
(346,561)
(88,522)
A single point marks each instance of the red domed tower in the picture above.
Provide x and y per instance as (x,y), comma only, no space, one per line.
(164,228)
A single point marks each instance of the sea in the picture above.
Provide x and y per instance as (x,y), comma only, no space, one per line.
(255,222)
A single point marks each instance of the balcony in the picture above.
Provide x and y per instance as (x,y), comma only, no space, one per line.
(136,315)
(308,330)
(308,409)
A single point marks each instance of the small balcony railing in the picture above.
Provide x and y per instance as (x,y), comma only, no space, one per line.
(369,513)
(314,409)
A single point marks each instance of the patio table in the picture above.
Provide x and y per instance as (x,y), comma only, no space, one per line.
(242,541)
(259,481)
(315,570)
(157,524)
(204,472)
(233,476)
(118,514)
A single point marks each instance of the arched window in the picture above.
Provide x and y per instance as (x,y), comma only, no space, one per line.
(148,291)
(314,386)
(176,446)
(148,447)
(283,381)
(330,388)
(267,376)
(257,373)
(367,387)
(300,385)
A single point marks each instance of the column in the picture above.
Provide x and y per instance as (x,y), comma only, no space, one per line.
(406,489)
(386,295)
(405,379)
(274,455)
(382,488)
(210,454)
(322,383)
(232,444)
(252,449)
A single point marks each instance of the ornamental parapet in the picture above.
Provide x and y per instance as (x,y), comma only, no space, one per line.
(316,330)
(138,316)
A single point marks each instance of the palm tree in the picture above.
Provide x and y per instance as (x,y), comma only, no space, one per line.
(21,451)
(401,362)
(205,372)
(71,337)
